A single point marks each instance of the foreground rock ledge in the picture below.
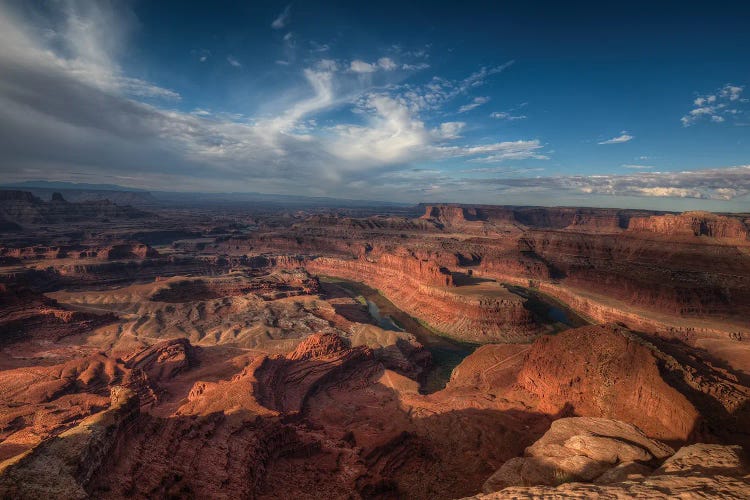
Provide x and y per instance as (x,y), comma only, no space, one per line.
(601,458)
(63,465)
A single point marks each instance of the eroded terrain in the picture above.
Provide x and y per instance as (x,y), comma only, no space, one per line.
(441,352)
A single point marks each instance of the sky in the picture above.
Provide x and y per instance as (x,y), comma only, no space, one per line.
(629,104)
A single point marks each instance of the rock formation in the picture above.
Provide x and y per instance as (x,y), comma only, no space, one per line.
(608,371)
(23,208)
(692,224)
(240,353)
(27,315)
(63,467)
(425,291)
(581,449)
(600,458)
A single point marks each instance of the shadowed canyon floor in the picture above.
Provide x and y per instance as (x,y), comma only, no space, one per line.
(454,351)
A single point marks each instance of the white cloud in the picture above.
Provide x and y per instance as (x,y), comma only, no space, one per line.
(716,107)
(91,36)
(414,67)
(662,191)
(438,91)
(450,130)
(504,115)
(497,152)
(384,63)
(700,101)
(506,150)
(709,184)
(623,137)
(475,103)
(387,64)
(731,92)
(282,19)
(358,66)
(392,135)
(51,122)
(234,62)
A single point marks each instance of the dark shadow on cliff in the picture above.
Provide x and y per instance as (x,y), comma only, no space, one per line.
(704,386)
(468,279)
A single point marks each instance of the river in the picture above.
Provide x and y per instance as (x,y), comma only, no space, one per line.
(447,353)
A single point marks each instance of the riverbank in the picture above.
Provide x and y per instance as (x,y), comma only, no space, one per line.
(447,353)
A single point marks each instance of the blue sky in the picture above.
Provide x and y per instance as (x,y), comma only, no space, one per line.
(638,105)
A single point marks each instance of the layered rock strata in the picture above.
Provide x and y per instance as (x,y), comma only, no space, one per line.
(422,290)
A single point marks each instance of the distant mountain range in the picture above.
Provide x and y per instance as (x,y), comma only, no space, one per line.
(80,186)
(80,192)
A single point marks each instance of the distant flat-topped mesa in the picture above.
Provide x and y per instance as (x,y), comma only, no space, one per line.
(22,207)
(594,219)
(692,224)
(583,219)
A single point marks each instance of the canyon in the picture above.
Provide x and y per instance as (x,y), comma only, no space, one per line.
(437,351)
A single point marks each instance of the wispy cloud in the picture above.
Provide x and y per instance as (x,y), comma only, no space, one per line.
(387,64)
(439,91)
(319,47)
(414,67)
(51,121)
(201,54)
(450,130)
(282,19)
(358,66)
(504,115)
(623,137)
(475,103)
(384,63)
(506,150)
(716,107)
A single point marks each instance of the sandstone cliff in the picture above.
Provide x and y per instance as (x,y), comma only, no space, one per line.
(423,290)
(607,371)
(692,224)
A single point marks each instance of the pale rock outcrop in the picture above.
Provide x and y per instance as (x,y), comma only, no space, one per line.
(577,449)
(567,462)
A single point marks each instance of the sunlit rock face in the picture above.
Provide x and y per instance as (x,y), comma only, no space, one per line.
(600,458)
